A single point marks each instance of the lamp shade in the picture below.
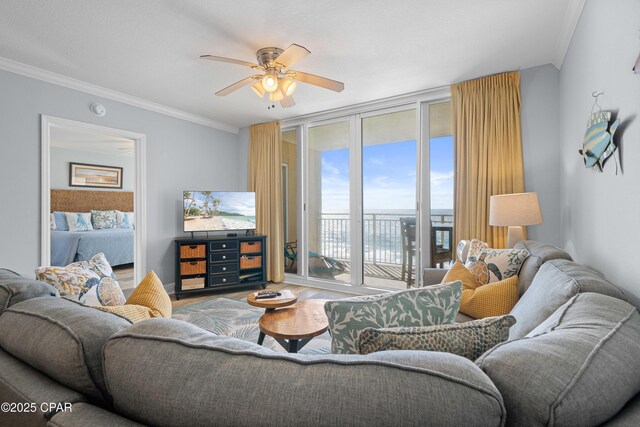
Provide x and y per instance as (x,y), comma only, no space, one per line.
(515,209)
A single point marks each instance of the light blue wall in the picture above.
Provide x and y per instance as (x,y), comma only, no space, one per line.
(601,211)
(180,155)
(541,147)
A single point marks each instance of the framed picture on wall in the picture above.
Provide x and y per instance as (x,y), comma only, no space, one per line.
(98,176)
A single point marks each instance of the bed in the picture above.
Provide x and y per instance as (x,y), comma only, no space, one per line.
(71,246)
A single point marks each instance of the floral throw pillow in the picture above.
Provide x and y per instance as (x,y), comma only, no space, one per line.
(103,219)
(79,221)
(88,282)
(469,339)
(431,305)
(494,265)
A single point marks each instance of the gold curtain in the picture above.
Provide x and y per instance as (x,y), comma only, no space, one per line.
(265,178)
(488,152)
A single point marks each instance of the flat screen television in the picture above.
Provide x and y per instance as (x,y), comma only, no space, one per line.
(218,210)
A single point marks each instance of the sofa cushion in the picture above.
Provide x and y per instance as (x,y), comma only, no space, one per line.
(15,288)
(469,339)
(539,253)
(168,372)
(556,282)
(85,414)
(629,416)
(579,367)
(62,339)
(431,305)
(20,383)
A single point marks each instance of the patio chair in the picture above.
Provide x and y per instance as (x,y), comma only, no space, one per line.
(441,254)
(291,254)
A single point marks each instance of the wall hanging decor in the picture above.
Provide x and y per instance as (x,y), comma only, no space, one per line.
(598,144)
(84,175)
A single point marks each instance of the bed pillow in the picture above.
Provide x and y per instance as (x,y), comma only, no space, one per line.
(125,219)
(52,221)
(470,339)
(61,221)
(78,221)
(103,219)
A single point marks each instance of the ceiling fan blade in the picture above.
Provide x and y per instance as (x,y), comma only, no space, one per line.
(230,61)
(287,102)
(237,85)
(324,82)
(291,55)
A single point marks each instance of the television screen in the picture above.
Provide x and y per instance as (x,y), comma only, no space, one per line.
(219,210)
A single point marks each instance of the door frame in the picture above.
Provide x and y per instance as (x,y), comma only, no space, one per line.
(140,190)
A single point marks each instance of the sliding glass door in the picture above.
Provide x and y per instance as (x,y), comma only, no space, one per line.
(368,198)
(328,201)
(389,158)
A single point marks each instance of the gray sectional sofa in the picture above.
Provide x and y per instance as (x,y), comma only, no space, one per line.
(573,362)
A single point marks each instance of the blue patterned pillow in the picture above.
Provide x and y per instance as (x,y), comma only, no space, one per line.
(125,219)
(79,221)
(431,305)
(103,219)
(61,221)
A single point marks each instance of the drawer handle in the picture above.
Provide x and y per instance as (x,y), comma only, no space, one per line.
(194,263)
(224,257)
(224,268)
(224,280)
(224,246)
(251,243)
(193,246)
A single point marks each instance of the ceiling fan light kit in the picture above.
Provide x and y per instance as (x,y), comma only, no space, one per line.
(278,79)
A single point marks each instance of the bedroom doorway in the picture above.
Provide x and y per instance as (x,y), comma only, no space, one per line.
(93,197)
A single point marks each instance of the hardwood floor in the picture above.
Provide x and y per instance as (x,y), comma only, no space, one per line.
(302,291)
(124,273)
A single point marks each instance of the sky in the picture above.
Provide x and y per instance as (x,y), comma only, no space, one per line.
(242,202)
(389,176)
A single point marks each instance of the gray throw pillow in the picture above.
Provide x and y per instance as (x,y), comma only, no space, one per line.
(470,339)
(431,305)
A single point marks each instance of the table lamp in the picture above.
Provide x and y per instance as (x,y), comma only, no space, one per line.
(515,211)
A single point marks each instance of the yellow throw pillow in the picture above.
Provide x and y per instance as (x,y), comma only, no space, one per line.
(492,299)
(135,313)
(150,293)
(459,272)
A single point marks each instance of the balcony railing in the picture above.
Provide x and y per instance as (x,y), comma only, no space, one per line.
(381,234)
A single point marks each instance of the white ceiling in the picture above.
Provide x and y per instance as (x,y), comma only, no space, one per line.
(90,141)
(149,49)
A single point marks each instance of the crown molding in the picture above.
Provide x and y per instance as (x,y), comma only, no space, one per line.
(71,83)
(569,22)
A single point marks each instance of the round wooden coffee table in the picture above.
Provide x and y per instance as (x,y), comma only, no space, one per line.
(270,304)
(293,327)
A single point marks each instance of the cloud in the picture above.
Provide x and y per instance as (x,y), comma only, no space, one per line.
(328,167)
(376,161)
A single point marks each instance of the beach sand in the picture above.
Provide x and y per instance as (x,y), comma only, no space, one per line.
(217,223)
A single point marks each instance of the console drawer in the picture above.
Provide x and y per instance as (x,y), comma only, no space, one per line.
(192,283)
(223,279)
(223,245)
(247,261)
(193,267)
(193,251)
(251,247)
(224,268)
(223,256)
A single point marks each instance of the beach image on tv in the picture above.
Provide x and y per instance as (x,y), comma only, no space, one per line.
(212,211)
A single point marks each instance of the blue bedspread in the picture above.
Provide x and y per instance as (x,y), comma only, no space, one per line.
(71,246)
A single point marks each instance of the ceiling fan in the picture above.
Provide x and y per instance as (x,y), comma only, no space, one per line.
(277,79)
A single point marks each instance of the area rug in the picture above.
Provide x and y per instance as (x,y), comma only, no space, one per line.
(233,318)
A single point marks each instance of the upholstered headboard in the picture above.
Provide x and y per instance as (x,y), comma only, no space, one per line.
(86,200)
